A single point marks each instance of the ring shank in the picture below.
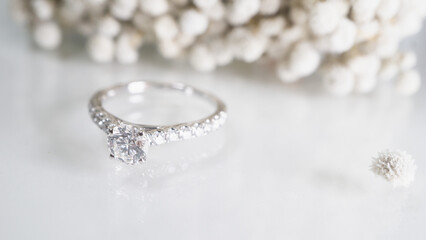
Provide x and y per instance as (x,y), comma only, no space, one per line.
(141,87)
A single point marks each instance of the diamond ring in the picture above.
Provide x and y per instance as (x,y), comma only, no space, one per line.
(129,142)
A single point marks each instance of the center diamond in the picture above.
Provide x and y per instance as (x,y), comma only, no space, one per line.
(127,144)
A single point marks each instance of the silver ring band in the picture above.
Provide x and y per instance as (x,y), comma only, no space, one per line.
(129,142)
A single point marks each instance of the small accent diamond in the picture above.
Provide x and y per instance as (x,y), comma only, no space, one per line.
(173,134)
(104,124)
(198,130)
(158,137)
(216,122)
(223,117)
(207,126)
(185,132)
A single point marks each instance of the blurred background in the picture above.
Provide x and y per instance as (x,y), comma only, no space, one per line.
(293,160)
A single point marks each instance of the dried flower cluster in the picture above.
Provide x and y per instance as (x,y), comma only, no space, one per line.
(397,167)
(354,42)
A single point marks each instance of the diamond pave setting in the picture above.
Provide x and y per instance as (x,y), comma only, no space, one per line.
(128,144)
(189,131)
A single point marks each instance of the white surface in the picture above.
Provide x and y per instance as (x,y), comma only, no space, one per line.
(292,163)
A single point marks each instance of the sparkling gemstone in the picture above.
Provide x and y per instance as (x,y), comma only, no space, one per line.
(223,117)
(173,135)
(185,132)
(207,126)
(158,137)
(127,144)
(216,122)
(100,115)
(104,124)
(199,130)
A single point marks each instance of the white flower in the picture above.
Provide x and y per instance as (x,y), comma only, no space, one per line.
(126,49)
(343,7)
(415,8)
(126,55)
(201,58)
(165,27)
(43,9)
(386,45)
(123,9)
(361,36)
(221,52)
(109,26)
(410,16)
(193,23)
(216,12)
(364,10)
(388,70)
(292,34)
(304,59)
(47,35)
(322,44)
(339,79)
(408,83)
(154,7)
(343,38)
(240,11)
(365,84)
(245,45)
(324,17)
(367,31)
(169,48)
(407,61)
(269,7)
(397,167)
(205,4)
(271,26)
(364,65)
(408,25)
(285,74)
(101,48)
(388,9)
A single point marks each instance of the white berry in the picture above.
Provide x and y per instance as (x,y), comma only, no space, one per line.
(193,23)
(304,59)
(47,35)
(101,48)
(109,26)
(165,27)
(201,59)
(324,18)
(343,38)
(154,8)
(339,80)
(408,83)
